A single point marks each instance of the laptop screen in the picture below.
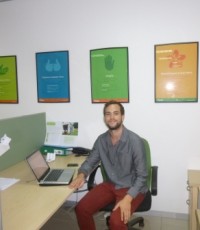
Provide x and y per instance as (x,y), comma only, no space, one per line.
(37,164)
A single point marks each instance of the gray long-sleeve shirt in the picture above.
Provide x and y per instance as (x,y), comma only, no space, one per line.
(124,163)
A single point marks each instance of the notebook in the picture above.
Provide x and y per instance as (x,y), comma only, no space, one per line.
(45,175)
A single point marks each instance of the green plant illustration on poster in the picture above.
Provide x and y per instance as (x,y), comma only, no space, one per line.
(8,80)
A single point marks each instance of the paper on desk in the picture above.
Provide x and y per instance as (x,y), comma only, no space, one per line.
(4,144)
(7,182)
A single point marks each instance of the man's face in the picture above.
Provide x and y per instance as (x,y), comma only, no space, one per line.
(113,117)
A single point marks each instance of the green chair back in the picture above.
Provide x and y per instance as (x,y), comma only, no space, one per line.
(148,161)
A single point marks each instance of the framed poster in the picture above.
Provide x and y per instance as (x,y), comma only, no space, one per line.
(109,74)
(176,72)
(8,80)
(53,77)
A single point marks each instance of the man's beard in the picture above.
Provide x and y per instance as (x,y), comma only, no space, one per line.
(114,127)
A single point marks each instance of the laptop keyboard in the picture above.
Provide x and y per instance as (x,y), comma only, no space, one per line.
(54,175)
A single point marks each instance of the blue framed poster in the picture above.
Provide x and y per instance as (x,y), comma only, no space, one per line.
(53,77)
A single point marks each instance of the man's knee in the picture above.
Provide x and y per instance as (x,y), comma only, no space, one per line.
(83,209)
(115,222)
(80,208)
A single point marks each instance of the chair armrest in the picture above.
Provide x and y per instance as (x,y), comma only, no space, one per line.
(154,189)
(91,180)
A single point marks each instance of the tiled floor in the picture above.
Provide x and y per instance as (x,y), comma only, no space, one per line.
(65,219)
(163,223)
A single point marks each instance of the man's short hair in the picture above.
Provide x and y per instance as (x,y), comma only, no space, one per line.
(114,103)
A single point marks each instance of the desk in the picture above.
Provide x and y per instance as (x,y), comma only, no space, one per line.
(198,218)
(26,205)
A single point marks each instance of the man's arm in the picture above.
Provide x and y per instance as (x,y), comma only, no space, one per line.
(78,182)
(86,168)
(140,184)
(125,208)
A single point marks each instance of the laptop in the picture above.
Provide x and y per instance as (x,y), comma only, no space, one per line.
(45,175)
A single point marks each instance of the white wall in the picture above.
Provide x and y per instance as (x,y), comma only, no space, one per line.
(173,129)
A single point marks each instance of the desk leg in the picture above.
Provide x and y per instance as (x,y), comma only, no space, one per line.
(1,221)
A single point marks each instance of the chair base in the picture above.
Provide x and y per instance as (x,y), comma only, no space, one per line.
(134,221)
(137,220)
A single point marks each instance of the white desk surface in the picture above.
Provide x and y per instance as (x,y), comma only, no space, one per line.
(26,205)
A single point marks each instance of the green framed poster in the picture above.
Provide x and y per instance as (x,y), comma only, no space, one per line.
(109,74)
(8,80)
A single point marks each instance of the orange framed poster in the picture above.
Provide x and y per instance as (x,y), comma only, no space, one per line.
(176,72)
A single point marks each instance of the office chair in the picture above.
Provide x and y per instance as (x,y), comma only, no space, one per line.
(146,204)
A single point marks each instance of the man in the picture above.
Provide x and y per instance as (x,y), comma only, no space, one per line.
(122,154)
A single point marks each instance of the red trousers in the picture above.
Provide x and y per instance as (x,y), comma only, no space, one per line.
(97,198)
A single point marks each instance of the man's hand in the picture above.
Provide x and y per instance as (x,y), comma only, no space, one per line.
(78,182)
(125,208)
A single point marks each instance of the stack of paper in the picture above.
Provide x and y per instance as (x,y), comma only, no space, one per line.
(7,182)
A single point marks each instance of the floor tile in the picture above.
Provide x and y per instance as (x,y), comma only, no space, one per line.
(174,224)
(151,223)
